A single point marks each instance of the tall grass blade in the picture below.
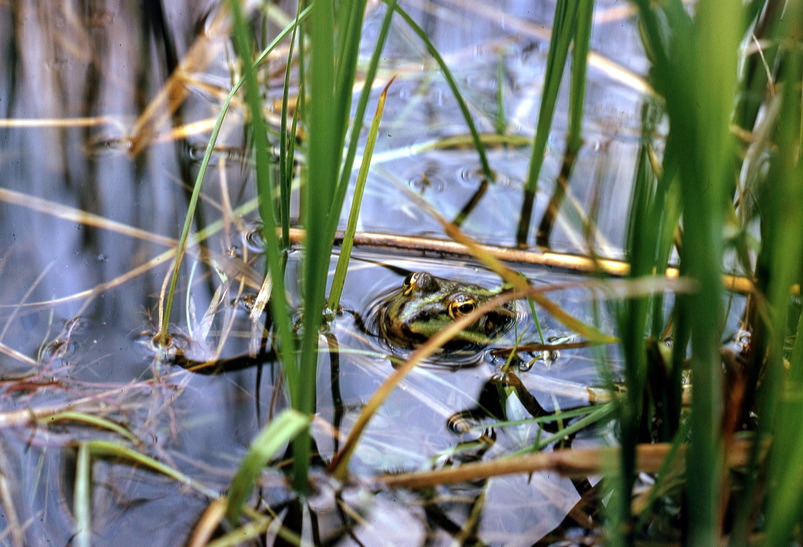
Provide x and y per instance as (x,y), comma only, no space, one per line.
(317,192)
(359,115)
(264,175)
(329,84)
(286,140)
(165,312)
(702,111)
(582,38)
(348,238)
(782,392)
(632,318)
(349,25)
(563,31)
(695,67)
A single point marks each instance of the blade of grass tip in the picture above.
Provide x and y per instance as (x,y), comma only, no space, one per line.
(301,102)
(82,497)
(264,171)
(207,524)
(284,428)
(356,201)
(563,30)
(362,106)
(114,450)
(447,75)
(196,190)
(252,533)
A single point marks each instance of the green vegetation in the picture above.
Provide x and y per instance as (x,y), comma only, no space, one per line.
(699,190)
(717,188)
(707,79)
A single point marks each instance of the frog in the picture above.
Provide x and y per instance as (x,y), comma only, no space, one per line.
(426,304)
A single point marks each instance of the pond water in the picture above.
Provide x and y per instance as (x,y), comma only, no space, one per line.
(89,223)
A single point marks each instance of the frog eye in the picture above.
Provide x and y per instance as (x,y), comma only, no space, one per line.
(460,305)
(418,281)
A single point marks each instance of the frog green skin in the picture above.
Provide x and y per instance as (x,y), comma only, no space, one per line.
(426,304)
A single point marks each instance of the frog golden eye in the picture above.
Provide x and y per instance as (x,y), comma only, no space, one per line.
(461,304)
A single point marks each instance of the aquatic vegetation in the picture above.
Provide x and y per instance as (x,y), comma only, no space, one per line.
(242,314)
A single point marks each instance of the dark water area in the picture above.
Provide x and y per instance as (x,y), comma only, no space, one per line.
(88,229)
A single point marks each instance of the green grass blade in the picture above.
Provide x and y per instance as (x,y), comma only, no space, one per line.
(563,31)
(362,106)
(264,172)
(359,188)
(632,318)
(350,18)
(196,191)
(695,67)
(285,427)
(582,38)
(318,192)
(710,56)
(285,144)
(782,391)
(500,121)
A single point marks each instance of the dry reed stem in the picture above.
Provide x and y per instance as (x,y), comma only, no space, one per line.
(566,261)
(576,463)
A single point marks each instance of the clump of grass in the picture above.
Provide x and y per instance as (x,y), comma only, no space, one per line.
(696,191)
(692,194)
(325,178)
